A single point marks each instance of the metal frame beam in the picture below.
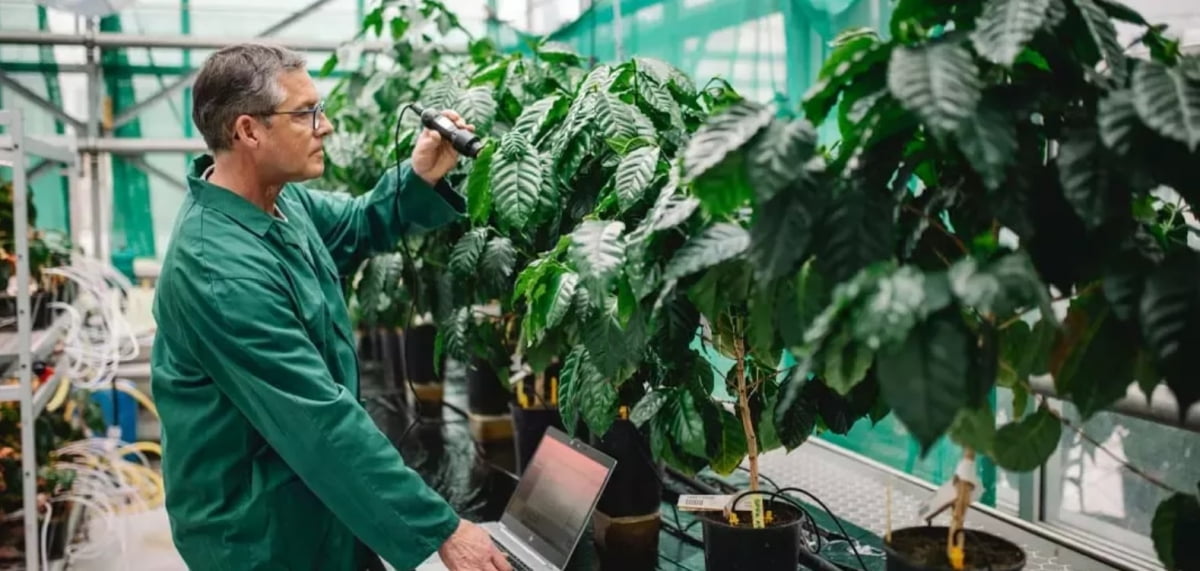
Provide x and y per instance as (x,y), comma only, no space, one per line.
(40,101)
(121,40)
(140,162)
(185,81)
(1162,407)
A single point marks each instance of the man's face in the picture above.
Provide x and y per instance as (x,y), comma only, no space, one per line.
(292,148)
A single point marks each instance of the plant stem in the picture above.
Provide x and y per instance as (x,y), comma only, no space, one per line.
(1126,465)
(961,501)
(744,412)
(937,224)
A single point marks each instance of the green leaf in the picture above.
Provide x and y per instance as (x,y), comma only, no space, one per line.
(1095,358)
(649,406)
(620,120)
(479,186)
(634,175)
(597,403)
(374,21)
(613,349)
(1169,313)
(1025,351)
(1024,445)
(764,427)
(477,106)
(598,250)
(1168,102)
(722,135)
(1083,168)
(330,64)
(1173,530)
(857,231)
(688,425)
(939,83)
(732,449)
(975,428)
(499,260)
(1006,26)
(725,188)
(897,302)
(441,94)
(846,362)
(846,63)
(990,143)
(780,236)
(795,415)
(516,180)
(1118,11)
(926,379)
(718,243)
(562,294)
(467,250)
(558,53)
(569,383)
(537,115)
(778,157)
(1004,286)
(1104,34)
(762,333)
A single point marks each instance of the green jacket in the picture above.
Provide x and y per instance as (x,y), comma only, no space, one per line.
(270,460)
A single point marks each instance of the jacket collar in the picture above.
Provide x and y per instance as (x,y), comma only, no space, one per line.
(225,201)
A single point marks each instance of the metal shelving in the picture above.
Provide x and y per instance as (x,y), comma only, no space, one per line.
(15,148)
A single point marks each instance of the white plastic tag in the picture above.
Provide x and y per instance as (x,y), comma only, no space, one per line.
(714,503)
(943,498)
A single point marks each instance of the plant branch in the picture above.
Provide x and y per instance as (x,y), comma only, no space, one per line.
(1124,464)
(744,409)
(1014,319)
(937,224)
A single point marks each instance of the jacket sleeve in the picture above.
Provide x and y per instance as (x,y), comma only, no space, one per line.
(257,352)
(354,229)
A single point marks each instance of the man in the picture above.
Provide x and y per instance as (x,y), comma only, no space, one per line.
(270,461)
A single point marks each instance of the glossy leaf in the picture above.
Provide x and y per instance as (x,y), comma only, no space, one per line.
(1026,444)
(717,243)
(477,106)
(733,446)
(597,249)
(845,63)
(926,379)
(467,251)
(857,231)
(795,415)
(990,143)
(778,157)
(938,82)
(562,294)
(975,428)
(558,53)
(634,175)
(723,134)
(649,406)
(498,261)
(1168,102)
(1104,34)
(537,115)
(1169,313)
(1173,530)
(688,425)
(516,180)
(1083,168)
(780,237)
(1095,357)
(479,186)
(1006,26)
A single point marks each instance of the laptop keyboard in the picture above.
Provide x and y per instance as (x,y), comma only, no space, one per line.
(513,560)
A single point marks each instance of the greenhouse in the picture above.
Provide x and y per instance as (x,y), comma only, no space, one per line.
(600,284)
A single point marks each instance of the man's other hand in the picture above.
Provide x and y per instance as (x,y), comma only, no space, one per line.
(470,548)
(434,156)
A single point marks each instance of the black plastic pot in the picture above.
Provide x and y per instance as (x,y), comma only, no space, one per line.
(772,548)
(393,340)
(418,343)
(924,549)
(628,519)
(486,395)
(529,425)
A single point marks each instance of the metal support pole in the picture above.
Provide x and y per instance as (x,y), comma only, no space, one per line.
(96,106)
(124,40)
(170,179)
(11,83)
(185,81)
(24,341)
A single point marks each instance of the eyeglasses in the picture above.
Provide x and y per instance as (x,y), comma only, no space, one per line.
(317,111)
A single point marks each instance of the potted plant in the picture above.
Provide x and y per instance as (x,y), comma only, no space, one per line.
(399,290)
(997,161)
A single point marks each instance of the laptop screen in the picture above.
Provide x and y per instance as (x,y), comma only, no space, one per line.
(552,503)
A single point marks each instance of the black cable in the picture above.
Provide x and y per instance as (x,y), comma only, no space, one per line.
(849,539)
(761,476)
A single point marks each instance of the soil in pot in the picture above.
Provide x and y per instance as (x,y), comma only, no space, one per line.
(924,549)
(775,547)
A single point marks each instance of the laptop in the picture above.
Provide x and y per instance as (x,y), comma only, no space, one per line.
(551,506)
